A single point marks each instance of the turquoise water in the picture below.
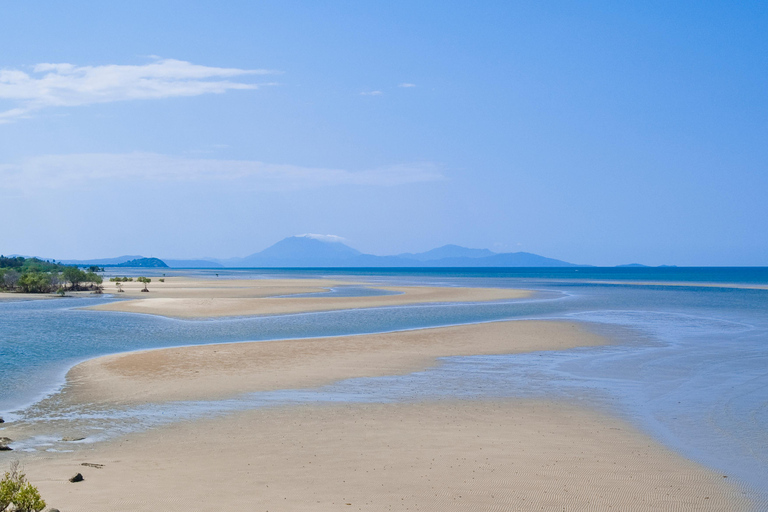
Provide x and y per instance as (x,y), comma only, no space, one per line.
(740,275)
(690,365)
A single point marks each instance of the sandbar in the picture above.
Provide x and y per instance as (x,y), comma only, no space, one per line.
(208,298)
(223,370)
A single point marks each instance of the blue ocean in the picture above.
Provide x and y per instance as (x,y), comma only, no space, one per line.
(689,362)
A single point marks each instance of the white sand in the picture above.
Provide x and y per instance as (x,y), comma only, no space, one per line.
(188,298)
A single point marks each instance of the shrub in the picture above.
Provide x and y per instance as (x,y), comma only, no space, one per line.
(15,489)
(144,280)
(34,282)
(28,499)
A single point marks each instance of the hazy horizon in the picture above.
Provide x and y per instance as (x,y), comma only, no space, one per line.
(329,239)
(595,133)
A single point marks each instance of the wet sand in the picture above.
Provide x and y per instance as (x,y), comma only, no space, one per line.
(219,371)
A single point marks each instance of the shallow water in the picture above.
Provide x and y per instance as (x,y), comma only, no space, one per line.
(690,365)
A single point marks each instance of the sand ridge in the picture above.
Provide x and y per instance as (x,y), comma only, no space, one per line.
(223,370)
(208,298)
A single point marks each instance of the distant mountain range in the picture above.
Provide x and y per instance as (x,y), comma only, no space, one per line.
(320,251)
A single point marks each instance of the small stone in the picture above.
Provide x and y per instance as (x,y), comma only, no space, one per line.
(77,478)
(52,510)
(2,420)
(69,439)
(4,444)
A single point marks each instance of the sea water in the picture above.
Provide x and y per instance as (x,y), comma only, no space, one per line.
(689,364)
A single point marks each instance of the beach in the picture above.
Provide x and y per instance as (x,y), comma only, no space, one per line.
(441,454)
(422,456)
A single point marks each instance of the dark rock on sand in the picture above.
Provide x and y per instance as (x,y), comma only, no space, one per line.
(4,441)
(77,478)
(68,439)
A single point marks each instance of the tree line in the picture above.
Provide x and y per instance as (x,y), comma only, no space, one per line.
(33,275)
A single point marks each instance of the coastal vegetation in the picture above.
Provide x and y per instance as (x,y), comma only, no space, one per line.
(144,280)
(33,275)
(16,490)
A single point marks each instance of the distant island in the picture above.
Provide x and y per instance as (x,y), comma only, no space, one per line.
(142,262)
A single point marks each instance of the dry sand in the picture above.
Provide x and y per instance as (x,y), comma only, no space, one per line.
(191,288)
(504,455)
(203,298)
(219,371)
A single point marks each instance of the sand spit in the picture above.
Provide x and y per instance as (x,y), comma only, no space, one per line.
(203,298)
(219,371)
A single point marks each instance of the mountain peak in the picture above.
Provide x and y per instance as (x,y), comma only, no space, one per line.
(303,251)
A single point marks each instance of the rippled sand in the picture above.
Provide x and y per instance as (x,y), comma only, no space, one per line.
(501,455)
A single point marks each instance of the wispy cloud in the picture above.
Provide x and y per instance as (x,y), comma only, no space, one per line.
(323,238)
(406,84)
(67,85)
(95,169)
(371,93)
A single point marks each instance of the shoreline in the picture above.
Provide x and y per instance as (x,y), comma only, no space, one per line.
(157,376)
(571,454)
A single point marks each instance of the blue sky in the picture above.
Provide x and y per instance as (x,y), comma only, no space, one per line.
(594,132)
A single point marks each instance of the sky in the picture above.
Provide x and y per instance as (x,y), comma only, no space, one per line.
(593,132)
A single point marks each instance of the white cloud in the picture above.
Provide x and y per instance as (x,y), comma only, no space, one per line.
(323,238)
(406,84)
(371,93)
(93,169)
(67,85)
